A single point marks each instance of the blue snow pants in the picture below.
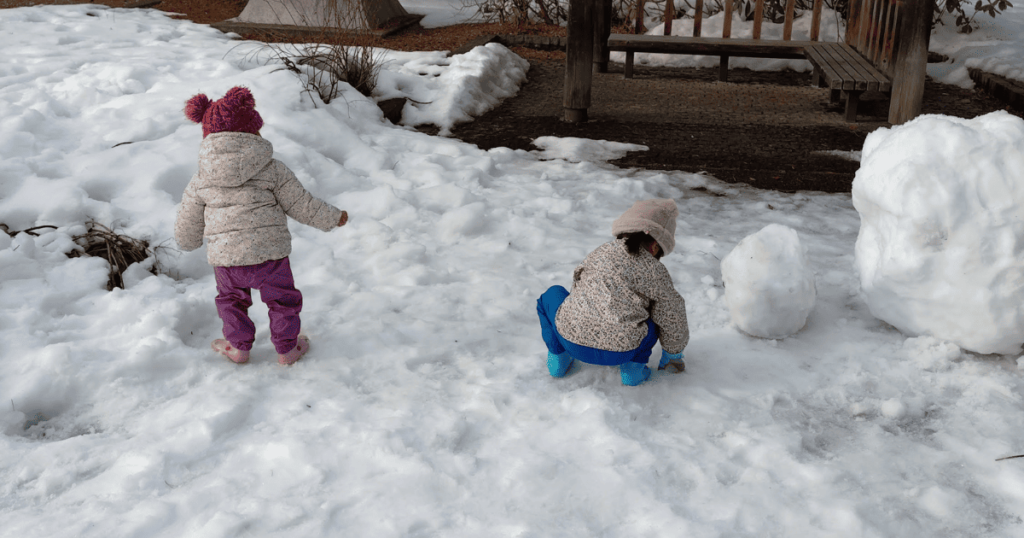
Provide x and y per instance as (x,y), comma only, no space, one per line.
(547,308)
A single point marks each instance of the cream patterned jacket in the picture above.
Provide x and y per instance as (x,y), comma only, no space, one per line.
(241,198)
(614,293)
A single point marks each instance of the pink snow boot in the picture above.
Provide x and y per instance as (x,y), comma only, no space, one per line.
(235,355)
(300,349)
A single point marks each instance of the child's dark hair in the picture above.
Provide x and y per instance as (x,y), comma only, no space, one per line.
(636,241)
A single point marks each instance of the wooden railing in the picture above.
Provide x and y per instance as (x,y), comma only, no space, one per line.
(729,8)
(698,18)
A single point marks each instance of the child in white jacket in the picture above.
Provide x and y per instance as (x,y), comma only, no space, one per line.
(622,300)
(240,200)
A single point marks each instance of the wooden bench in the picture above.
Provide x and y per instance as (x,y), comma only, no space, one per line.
(846,74)
(885,49)
(870,59)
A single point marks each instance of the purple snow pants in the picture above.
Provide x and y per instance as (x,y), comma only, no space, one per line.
(274,281)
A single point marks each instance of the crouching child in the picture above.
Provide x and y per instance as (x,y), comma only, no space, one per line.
(622,300)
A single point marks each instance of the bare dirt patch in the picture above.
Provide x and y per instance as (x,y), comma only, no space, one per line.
(771,130)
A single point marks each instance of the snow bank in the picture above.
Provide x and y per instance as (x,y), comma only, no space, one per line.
(582,149)
(995,46)
(939,252)
(461,87)
(769,285)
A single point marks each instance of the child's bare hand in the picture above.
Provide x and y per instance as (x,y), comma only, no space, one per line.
(343,219)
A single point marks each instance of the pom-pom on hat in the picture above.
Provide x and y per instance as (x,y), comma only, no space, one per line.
(656,218)
(235,112)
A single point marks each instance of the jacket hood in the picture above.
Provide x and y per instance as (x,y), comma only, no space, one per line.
(229,159)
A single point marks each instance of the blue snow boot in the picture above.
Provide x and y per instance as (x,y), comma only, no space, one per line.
(634,373)
(559,364)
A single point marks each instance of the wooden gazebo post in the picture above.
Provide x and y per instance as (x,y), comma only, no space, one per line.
(911,64)
(579,57)
(602,29)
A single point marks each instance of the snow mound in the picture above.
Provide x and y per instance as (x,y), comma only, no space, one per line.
(582,149)
(470,85)
(941,203)
(769,286)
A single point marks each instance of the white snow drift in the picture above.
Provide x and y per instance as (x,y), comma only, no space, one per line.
(941,245)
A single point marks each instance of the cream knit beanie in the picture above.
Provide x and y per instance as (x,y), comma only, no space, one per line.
(656,218)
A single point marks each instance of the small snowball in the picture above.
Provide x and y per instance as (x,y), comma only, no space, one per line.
(893,409)
(769,286)
(942,228)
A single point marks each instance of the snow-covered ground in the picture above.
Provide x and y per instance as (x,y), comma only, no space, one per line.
(424,407)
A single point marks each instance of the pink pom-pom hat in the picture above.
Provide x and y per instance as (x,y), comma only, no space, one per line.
(235,112)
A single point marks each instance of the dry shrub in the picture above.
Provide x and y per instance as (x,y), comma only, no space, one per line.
(329,57)
(120,251)
(359,66)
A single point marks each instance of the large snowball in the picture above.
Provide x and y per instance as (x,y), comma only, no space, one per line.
(769,286)
(940,250)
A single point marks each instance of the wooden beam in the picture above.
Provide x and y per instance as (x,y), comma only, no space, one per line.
(640,29)
(602,29)
(816,20)
(579,56)
(875,29)
(709,46)
(911,63)
(698,17)
(670,13)
(884,20)
(863,24)
(758,18)
(723,60)
(638,26)
(852,100)
(787,27)
(727,23)
(853,23)
(890,37)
